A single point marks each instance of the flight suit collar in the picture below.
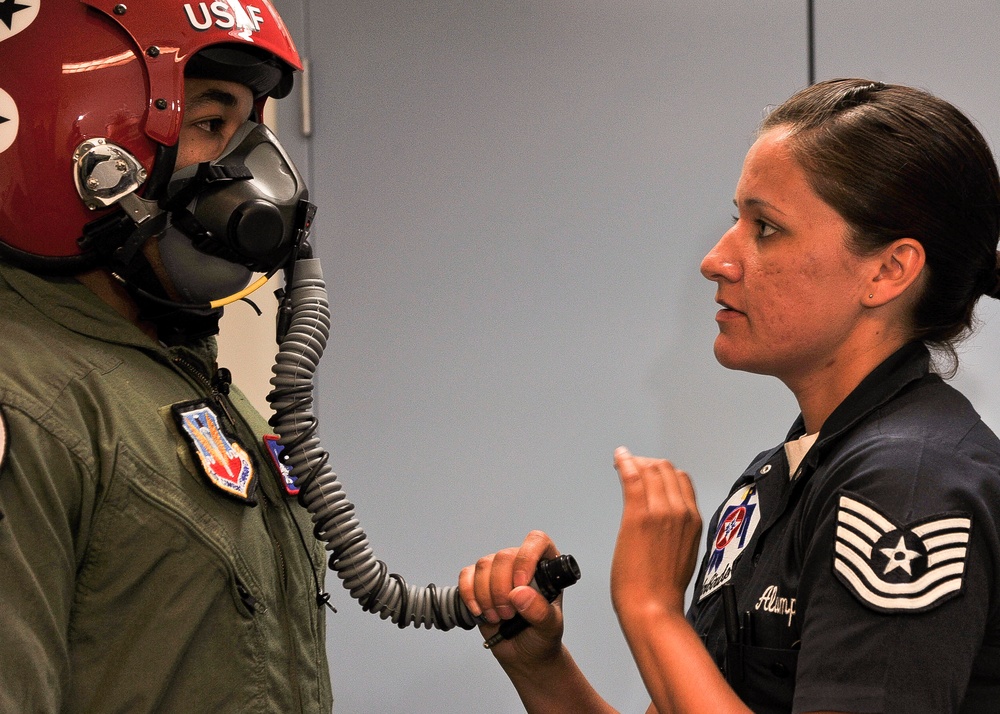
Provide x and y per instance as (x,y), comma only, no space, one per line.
(72,305)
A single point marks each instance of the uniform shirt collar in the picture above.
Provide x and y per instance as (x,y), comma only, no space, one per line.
(905,366)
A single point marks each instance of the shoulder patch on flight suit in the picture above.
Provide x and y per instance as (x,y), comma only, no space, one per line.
(275,449)
(225,464)
(899,568)
(737,522)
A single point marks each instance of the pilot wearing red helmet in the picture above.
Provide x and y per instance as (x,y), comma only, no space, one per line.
(155,557)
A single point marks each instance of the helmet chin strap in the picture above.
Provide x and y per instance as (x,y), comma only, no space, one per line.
(176,321)
(119,239)
(190,306)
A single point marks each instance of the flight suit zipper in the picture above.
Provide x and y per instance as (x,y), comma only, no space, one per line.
(218,387)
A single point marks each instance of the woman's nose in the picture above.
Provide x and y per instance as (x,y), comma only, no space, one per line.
(719,263)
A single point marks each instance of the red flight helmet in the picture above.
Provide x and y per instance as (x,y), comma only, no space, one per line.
(78,71)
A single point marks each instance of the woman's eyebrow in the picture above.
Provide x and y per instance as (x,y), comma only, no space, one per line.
(758,202)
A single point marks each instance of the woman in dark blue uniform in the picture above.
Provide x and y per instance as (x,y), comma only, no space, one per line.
(854,567)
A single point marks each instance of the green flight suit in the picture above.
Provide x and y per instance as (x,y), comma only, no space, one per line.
(129,581)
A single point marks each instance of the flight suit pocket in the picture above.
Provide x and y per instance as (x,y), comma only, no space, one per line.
(763,677)
(166,576)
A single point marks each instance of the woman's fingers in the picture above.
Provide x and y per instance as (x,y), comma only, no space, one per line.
(633,488)
(659,534)
(653,486)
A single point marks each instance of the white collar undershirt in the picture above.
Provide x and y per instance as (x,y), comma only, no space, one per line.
(796,450)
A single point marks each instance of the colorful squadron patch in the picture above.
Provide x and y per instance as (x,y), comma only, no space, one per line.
(894,568)
(224,462)
(275,449)
(737,523)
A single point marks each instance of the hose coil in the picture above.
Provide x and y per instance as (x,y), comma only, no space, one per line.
(333,516)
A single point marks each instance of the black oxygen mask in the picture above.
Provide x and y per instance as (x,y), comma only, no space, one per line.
(232,217)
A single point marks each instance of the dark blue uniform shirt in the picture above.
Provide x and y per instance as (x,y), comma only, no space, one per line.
(869,582)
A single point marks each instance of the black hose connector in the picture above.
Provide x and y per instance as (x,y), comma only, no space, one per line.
(551,576)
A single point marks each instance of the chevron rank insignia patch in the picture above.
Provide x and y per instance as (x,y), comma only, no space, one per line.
(895,568)
(223,461)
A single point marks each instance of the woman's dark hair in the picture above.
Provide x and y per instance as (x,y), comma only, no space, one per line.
(897,162)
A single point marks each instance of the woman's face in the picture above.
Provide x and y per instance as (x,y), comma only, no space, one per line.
(791,291)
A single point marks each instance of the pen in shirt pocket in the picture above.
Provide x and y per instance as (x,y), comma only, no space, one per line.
(734,629)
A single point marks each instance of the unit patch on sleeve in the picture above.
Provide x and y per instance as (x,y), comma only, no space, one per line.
(895,568)
(737,522)
(225,464)
(275,449)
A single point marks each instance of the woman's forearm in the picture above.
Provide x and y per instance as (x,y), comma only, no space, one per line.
(557,687)
(677,670)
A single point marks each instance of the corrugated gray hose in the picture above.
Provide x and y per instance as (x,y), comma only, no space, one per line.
(334,520)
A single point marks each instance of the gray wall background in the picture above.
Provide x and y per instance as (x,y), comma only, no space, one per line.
(514,199)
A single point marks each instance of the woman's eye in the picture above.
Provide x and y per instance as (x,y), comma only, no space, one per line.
(765,229)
